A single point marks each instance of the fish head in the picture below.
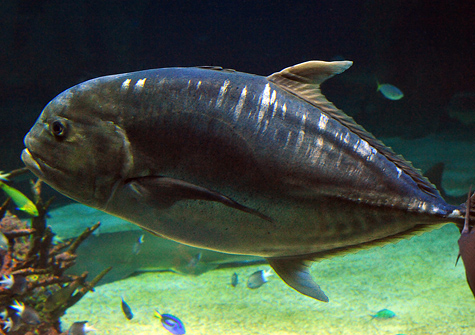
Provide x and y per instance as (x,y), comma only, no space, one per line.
(76,145)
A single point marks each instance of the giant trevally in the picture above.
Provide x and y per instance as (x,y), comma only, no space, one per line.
(234,162)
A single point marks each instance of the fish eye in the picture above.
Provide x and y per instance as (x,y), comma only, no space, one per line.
(58,129)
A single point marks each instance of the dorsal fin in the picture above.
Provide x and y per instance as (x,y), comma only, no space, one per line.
(215,68)
(303,80)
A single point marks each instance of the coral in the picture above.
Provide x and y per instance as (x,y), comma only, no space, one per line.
(34,291)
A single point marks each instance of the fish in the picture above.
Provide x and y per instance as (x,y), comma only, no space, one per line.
(4,176)
(27,314)
(21,201)
(390,92)
(60,296)
(384,314)
(8,324)
(234,162)
(171,323)
(234,280)
(17,284)
(138,245)
(258,278)
(127,310)
(3,241)
(158,254)
(80,328)
(7,281)
(466,244)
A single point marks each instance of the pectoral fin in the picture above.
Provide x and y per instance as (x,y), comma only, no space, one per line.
(295,272)
(163,192)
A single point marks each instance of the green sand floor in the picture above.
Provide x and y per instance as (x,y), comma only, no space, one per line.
(415,278)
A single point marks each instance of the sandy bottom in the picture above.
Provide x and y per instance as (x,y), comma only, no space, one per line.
(415,278)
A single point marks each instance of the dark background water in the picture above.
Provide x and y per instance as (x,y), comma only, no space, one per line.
(426,48)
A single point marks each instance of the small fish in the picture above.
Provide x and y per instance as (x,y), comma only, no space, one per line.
(4,176)
(61,296)
(195,260)
(390,92)
(3,241)
(15,283)
(80,328)
(7,324)
(171,323)
(467,246)
(384,314)
(127,310)
(138,245)
(27,314)
(21,201)
(258,278)
(234,280)
(7,281)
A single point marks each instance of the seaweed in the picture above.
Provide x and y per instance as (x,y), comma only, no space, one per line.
(32,267)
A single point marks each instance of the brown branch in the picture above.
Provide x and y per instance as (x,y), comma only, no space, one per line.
(18,233)
(85,234)
(3,208)
(30,271)
(17,172)
(51,281)
(44,248)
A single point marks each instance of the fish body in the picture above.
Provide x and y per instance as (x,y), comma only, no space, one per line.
(137,247)
(21,201)
(390,92)
(7,281)
(80,328)
(26,313)
(234,279)
(127,310)
(171,323)
(3,242)
(233,162)
(258,278)
(384,314)
(17,284)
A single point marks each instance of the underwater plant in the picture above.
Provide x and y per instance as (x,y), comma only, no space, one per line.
(34,291)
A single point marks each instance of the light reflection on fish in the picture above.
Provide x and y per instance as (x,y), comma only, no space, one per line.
(234,162)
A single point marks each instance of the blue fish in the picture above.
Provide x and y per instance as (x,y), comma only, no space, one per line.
(171,323)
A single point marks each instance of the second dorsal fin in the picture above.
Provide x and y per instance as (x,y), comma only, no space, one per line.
(304,79)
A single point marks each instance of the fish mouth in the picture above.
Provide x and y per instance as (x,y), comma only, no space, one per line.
(31,163)
(37,165)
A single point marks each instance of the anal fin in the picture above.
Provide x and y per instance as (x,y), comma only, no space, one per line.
(295,273)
